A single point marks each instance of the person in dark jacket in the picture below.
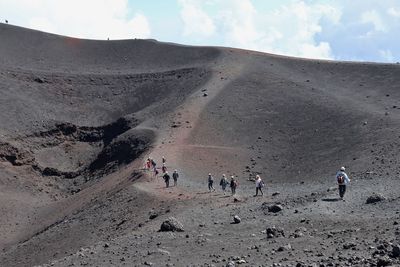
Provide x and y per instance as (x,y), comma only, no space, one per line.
(233,185)
(175,176)
(210,182)
(223,183)
(166,179)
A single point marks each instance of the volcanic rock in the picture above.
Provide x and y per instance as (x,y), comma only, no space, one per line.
(396,251)
(384,261)
(275,208)
(171,225)
(275,232)
(153,215)
(236,219)
(286,247)
(375,198)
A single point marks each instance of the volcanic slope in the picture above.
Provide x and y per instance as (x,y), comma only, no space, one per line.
(79,116)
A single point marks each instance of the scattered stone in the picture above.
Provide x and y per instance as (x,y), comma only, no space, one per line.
(153,215)
(274,232)
(275,194)
(236,219)
(205,94)
(275,208)
(38,80)
(171,225)
(396,251)
(349,245)
(230,264)
(241,261)
(284,248)
(148,263)
(384,261)
(375,198)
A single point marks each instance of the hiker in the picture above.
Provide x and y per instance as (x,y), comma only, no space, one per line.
(175,176)
(6,21)
(223,183)
(259,185)
(153,164)
(155,172)
(234,185)
(210,182)
(166,179)
(148,163)
(164,168)
(164,160)
(342,179)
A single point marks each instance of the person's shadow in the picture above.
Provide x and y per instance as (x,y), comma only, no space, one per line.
(330,199)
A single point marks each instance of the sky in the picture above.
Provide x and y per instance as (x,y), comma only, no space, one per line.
(357,30)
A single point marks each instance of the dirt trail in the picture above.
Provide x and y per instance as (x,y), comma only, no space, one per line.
(174,140)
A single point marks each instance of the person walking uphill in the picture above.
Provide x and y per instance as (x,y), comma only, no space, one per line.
(223,183)
(233,185)
(164,168)
(259,185)
(343,180)
(175,176)
(210,182)
(166,179)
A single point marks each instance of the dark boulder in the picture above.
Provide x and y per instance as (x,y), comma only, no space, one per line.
(273,232)
(236,219)
(275,208)
(171,225)
(375,198)
(396,251)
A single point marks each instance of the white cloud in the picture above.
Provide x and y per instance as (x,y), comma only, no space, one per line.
(196,21)
(373,17)
(289,30)
(394,12)
(386,55)
(239,25)
(94,19)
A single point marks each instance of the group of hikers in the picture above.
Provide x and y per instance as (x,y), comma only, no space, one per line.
(152,165)
(233,184)
(341,178)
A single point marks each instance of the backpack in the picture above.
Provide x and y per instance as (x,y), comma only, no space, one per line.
(340,178)
(262,183)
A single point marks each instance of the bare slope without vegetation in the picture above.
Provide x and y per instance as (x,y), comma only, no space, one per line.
(78,118)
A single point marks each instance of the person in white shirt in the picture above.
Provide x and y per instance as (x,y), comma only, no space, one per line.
(259,185)
(342,180)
